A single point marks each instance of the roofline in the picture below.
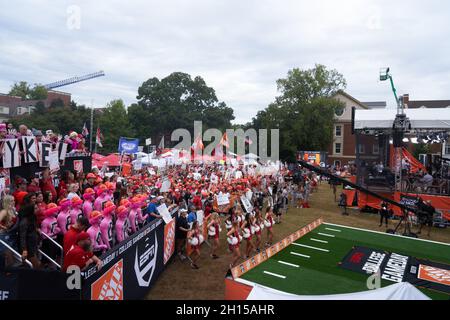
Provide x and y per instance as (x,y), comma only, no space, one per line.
(345,94)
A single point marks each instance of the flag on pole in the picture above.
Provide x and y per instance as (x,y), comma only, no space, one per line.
(198,143)
(85,131)
(224,140)
(99,138)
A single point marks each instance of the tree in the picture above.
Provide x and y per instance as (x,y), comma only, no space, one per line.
(39,92)
(304,111)
(114,123)
(20,89)
(174,102)
(39,108)
(56,103)
(23,90)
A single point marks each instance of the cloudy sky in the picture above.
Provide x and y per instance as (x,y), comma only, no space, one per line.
(239,47)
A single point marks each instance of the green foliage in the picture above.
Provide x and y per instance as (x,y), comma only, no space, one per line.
(174,102)
(114,123)
(22,89)
(421,149)
(304,112)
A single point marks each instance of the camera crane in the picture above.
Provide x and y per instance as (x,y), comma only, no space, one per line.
(405,208)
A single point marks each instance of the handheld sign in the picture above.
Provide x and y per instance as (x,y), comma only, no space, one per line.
(45,149)
(165,186)
(222,199)
(247,205)
(30,149)
(164,212)
(11,158)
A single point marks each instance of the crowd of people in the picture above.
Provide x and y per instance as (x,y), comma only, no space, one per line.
(76,142)
(88,214)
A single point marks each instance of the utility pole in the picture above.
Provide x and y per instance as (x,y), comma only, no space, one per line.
(92,124)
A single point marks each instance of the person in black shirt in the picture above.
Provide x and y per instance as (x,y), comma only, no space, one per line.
(182,228)
(425,215)
(384,213)
(28,231)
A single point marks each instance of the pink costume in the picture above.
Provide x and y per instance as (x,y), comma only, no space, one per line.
(106,226)
(135,214)
(49,225)
(64,220)
(95,233)
(76,211)
(102,198)
(122,224)
(88,205)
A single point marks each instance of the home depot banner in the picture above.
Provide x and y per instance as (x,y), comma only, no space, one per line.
(273,250)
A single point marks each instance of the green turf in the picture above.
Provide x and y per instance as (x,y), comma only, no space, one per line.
(321,275)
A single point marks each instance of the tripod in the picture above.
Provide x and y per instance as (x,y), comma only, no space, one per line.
(407,228)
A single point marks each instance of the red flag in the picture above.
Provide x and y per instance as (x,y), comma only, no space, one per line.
(224,140)
(99,138)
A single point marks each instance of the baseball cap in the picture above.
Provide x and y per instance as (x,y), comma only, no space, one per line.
(82,236)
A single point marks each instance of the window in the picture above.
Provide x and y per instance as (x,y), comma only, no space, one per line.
(362,149)
(376,149)
(338,131)
(339,111)
(447,148)
(4,110)
(337,148)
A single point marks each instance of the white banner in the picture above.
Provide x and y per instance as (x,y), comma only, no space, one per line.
(11,158)
(30,149)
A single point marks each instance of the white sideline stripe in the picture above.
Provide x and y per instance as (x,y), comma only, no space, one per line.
(326,235)
(387,234)
(300,255)
(314,248)
(317,240)
(289,264)
(333,230)
(275,275)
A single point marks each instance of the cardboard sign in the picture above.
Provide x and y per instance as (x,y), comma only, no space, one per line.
(44,149)
(165,187)
(30,148)
(78,166)
(200,217)
(249,195)
(222,199)
(137,165)
(54,161)
(62,150)
(247,205)
(2,184)
(11,158)
(164,212)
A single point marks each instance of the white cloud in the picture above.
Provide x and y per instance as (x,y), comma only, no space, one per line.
(239,47)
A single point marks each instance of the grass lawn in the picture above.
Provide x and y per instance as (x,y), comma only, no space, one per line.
(179,281)
(320,274)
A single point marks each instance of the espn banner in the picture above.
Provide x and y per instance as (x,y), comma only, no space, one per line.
(395,267)
(273,250)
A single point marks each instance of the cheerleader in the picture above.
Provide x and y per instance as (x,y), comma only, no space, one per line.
(213,233)
(248,232)
(234,238)
(258,223)
(195,238)
(268,222)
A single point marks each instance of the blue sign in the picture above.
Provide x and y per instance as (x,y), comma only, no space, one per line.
(128,146)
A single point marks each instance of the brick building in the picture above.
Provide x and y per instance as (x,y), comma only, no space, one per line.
(12,106)
(343,149)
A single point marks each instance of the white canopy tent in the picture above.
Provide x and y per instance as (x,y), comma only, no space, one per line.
(421,119)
